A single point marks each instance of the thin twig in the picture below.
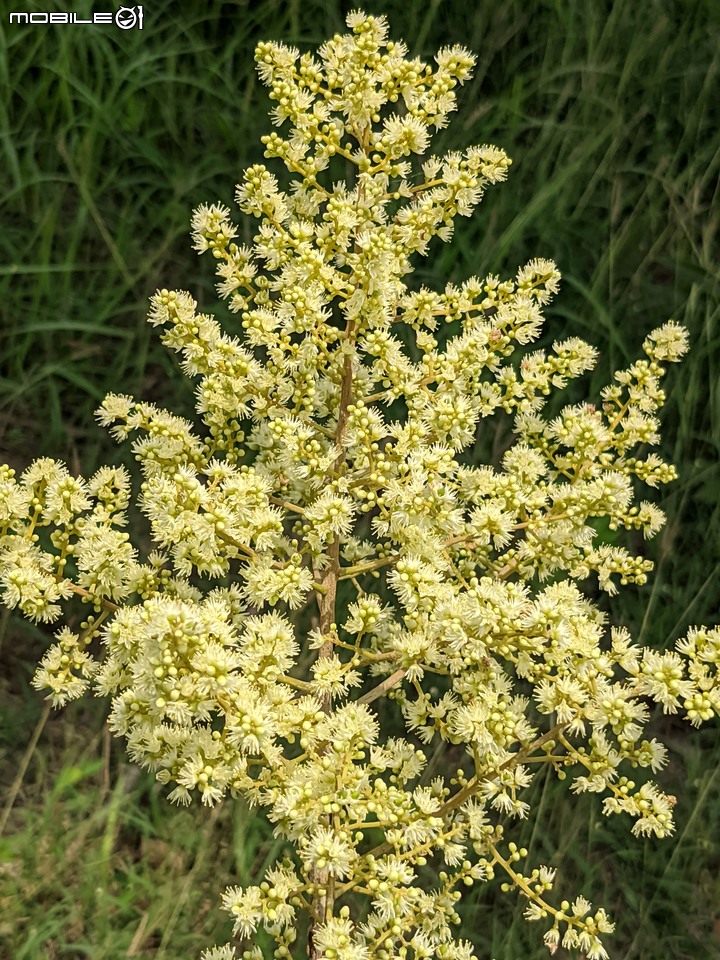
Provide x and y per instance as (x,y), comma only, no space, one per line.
(24,763)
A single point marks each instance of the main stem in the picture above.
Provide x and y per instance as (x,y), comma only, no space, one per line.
(321,907)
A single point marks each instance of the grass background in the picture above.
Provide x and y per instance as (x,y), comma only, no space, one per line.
(107,141)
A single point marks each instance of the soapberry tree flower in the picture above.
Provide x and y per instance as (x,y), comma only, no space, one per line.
(321,539)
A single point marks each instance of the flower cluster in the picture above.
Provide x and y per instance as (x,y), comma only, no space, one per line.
(327,469)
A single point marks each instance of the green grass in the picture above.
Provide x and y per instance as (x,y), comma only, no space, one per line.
(107,141)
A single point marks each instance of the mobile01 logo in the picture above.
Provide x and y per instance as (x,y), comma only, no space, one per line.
(126,18)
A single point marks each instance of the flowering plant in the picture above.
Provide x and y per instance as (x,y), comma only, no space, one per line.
(322,539)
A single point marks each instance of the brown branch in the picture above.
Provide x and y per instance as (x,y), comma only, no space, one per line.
(382,688)
(82,592)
